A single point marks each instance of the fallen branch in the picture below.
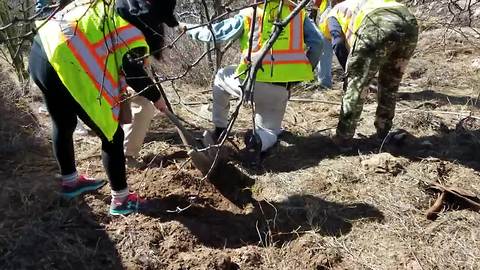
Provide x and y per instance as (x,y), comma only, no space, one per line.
(310,100)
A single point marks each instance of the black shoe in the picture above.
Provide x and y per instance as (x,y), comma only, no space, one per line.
(253,149)
(395,136)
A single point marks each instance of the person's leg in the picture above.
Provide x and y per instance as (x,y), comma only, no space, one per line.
(368,53)
(61,108)
(113,159)
(270,104)
(362,67)
(404,41)
(143,112)
(225,85)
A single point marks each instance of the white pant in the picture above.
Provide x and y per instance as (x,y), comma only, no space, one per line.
(143,112)
(270,103)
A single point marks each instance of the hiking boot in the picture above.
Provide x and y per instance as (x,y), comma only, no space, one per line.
(133,203)
(83,184)
(253,148)
(395,136)
(343,144)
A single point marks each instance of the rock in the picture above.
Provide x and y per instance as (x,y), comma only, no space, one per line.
(384,163)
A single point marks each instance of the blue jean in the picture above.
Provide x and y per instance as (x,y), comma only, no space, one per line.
(324,66)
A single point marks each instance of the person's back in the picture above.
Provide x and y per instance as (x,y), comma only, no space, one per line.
(286,60)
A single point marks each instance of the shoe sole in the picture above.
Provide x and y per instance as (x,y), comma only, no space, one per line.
(113,212)
(86,189)
(122,212)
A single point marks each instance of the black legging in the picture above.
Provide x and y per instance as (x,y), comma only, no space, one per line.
(63,111)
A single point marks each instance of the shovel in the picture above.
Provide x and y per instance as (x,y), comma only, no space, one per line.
(201,160)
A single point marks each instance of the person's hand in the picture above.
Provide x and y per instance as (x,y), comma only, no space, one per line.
(161,105)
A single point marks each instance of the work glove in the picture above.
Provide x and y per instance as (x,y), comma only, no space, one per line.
(138,7)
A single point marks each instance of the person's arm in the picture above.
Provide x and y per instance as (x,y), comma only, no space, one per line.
(338,41)
(138,79)
(223,31)
(313,40)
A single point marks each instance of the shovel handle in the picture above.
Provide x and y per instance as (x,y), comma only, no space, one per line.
(160,89)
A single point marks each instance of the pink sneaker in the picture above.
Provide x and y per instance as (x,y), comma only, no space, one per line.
(133,203)
(82,185)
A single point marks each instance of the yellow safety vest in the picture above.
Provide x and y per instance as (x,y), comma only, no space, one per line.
(350,15)
(320,5)
(286,61)
(323,25)
(85,43)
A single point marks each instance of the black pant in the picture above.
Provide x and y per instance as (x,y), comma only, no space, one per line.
(63,111)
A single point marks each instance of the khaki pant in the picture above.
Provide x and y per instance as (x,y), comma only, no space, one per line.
(270,103)
(143,112)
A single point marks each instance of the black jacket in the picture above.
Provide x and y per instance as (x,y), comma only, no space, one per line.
(148,16)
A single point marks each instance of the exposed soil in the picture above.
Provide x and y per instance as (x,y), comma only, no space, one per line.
(311,206)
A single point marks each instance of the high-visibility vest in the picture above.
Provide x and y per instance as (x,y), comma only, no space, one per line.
(323,25)
(286,61)
(85,43)
(320,5)
(350,15)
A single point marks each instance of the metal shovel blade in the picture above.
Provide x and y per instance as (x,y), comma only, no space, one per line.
(201,160)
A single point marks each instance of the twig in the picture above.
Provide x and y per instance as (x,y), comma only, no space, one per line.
(315,101)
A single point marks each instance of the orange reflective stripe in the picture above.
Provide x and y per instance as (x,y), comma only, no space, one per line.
(295,39)
(257,33)
(289,62)
(113,89)
(113,33)
(296,30)
(118,39)
(95,68)
(83,63)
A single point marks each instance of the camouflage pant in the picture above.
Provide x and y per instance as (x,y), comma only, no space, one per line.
(385,42)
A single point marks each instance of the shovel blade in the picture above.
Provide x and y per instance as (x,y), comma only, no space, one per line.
(201,161)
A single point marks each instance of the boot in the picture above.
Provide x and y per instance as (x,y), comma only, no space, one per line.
(253,148)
